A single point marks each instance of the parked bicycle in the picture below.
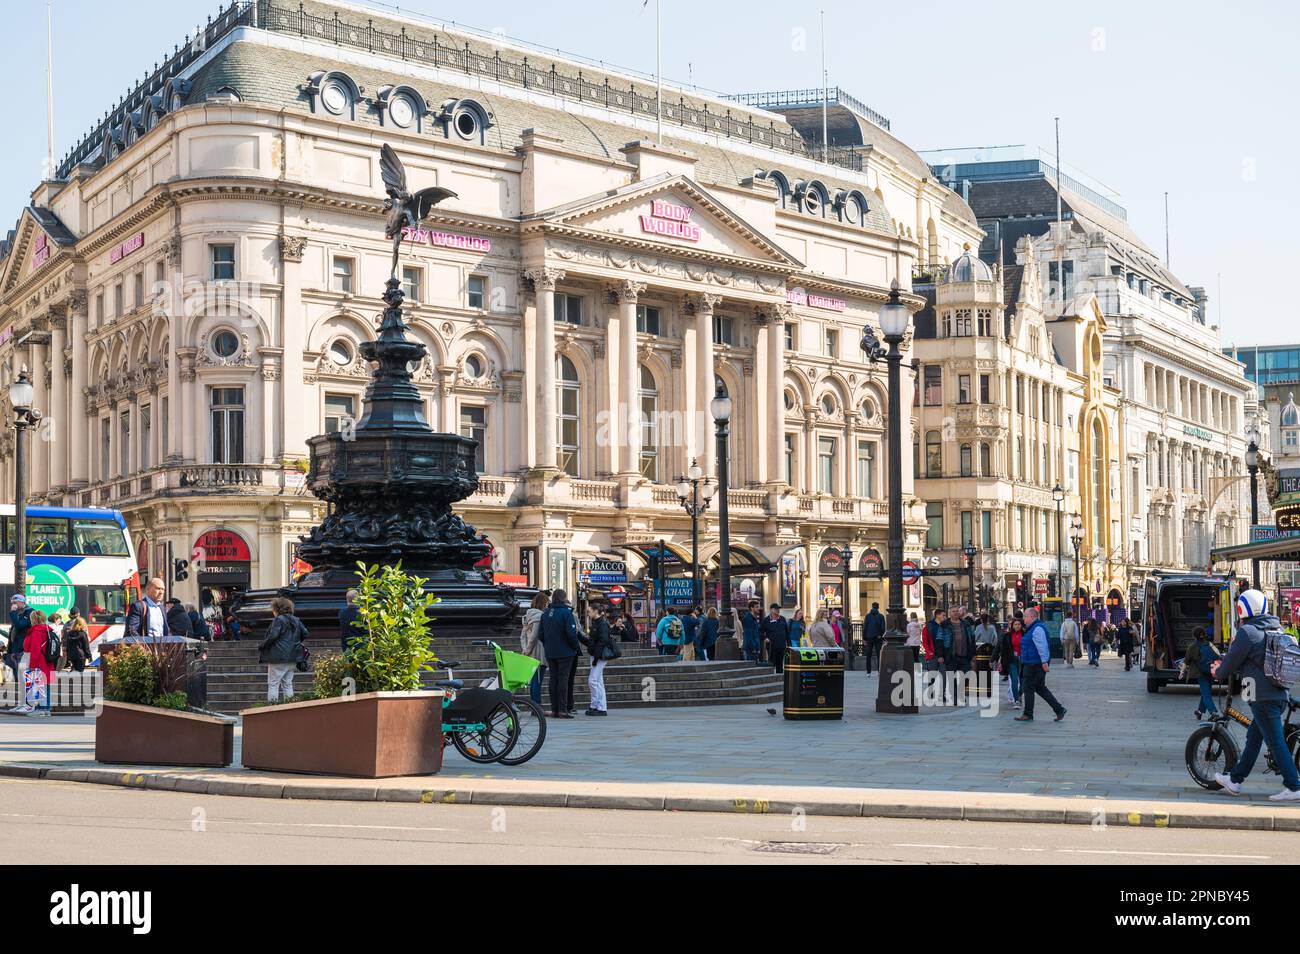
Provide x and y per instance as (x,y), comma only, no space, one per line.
(489,723)
(1212,749)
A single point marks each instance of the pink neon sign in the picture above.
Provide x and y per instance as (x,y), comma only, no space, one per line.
(797,296)
(473,243)
(133,244)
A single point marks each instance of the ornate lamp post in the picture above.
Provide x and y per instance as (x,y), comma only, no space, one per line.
(1252,468)
(894,657)
(1076,537)
(846,627)
(695,492)
(1058,495)
(21,395)
(720,408)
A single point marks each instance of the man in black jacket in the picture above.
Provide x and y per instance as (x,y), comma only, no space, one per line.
(559,634)
(349,630)
(775,630)
(178,619)
(873,631)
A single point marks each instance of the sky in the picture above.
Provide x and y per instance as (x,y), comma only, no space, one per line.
(1196,99)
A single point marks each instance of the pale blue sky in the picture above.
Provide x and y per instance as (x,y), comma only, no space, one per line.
(1193,98)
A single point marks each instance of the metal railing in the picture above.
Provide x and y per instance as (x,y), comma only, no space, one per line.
(796,98)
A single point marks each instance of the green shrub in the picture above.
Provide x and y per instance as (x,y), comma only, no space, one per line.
(130,676)
(393,609)
(334,675)
(172,700)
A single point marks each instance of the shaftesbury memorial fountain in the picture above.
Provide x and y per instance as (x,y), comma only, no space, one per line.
(390,482)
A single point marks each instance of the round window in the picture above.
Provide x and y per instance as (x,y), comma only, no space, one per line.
(868,410)
(334,97)
(789,400)
(225,344)
(812,202)
(402,111)
(466,124)
(341,353)
(828,404)
(474,366)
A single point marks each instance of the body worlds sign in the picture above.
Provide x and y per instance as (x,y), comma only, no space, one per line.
(670,220)
(472,243)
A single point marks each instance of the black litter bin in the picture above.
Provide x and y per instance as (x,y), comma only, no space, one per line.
(814,683)
(982,669)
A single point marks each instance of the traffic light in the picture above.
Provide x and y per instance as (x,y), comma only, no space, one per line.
(180,570)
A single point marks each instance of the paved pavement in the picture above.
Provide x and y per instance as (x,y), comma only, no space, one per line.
(1118,742)
(98,824)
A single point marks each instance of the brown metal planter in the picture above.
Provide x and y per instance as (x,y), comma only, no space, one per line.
(128,734)
(373,735)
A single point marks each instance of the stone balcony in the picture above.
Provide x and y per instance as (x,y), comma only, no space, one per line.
(186,480)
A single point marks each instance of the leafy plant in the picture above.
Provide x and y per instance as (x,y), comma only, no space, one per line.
(393,609)
(144,674)
(334,676)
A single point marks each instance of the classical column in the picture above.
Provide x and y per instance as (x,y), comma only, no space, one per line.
(133,449)
(78,419)
(544,281)
(180,438)
(38,447)
(298,416)
(627,407)
(702,423)
(187,412)
(781,314)
(61,407)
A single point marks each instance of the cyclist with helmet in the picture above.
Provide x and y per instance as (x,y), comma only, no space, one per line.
(1268,703)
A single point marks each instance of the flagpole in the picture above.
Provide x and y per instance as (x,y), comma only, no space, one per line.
(824,136)
(49,88)
(659,76)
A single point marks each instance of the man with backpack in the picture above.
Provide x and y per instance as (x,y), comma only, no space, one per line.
(1199,662)
(670,633)
(1268,661)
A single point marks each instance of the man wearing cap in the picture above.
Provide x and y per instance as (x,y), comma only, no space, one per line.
(20,621)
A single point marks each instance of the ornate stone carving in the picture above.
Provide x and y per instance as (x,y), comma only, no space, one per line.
(702,303)
(627,292)
(544,280)
(207,358)
(172,249)
(292,247)
(77,301)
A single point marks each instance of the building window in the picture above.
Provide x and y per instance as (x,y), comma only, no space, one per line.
(832,342)
(476,292)
(340,411)
(933,393)
(124,445)
(105,449)
(966,527)
(473,424)
(1020,395)
(789,336)
(119,304)
(647,320)
(866,469)
(146,436)
(411,283)
(139,289)
(986,389)
(789,459)
(225,343)
(722,330)
(227,411)
(223,262)
(966,460)
(1068,271)
(649,426)
(163,437)
(828,405)
(963,389)
(826,465)
(341,275)
(986,529)
(934,517)
(933,455)
(961,323)
(99,309)
(568,308)
(1019,471)
(985,317)
(986,461)
(568,403)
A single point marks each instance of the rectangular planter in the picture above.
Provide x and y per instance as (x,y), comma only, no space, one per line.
(127,734)
(373,735)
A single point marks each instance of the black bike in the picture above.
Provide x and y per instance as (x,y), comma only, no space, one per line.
(1212,749)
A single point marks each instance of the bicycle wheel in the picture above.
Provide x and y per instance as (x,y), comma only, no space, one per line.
(496,739)
(1210,749)
(532,732)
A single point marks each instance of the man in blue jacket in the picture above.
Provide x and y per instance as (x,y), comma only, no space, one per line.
(752,637)
(559,633)
(1268,703)
(873,631)
(1035,654)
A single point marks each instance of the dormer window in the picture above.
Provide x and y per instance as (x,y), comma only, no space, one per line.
(403,107)
(334,93)
(465,119)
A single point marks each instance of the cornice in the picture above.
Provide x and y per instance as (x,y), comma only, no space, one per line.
(631,243)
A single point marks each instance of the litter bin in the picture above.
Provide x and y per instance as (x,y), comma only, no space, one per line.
(814,682)
(981,665)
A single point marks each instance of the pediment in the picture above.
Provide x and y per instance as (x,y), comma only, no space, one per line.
(671,214)
(33,249)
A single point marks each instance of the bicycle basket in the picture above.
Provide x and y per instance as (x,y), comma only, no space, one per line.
(516,669)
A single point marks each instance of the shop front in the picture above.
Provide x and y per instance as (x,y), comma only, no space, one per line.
(223,565)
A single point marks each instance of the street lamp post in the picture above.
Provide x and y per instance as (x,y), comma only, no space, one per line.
(720,408)
(21,395)
(970,551)
(1076,537)
(695,492)
(894,657)
(1252,467)
(846,626)
(1058,495)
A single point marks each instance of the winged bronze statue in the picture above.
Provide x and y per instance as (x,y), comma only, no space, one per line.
(405,209)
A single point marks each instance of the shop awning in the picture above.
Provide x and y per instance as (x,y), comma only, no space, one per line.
(1281,549)
(744,558)
(648,552)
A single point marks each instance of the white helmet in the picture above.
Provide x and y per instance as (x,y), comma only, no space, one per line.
(1251,603)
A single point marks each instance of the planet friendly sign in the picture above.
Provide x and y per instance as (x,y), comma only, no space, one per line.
(49,589)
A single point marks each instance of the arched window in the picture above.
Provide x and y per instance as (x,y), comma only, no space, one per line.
(986,461)
(1098,485)
(649,426)
(568,400)
(933,455)
(966,460)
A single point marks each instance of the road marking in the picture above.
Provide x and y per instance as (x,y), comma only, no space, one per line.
(259,824)
(1087,851)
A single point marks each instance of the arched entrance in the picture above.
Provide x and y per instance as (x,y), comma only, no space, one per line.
(930,598)
(222,563)
(1116,607)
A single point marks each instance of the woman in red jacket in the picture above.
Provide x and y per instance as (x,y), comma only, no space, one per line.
(34,645)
